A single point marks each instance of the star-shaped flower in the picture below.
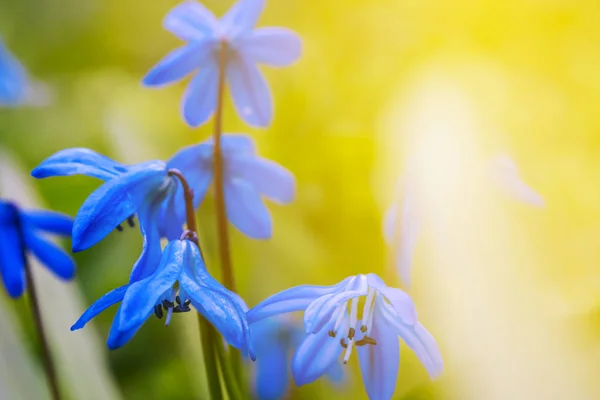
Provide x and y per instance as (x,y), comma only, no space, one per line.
(331,330)
(179,279)
(274,339)
(232,39)
(144,188)
(246,177)
(22,231)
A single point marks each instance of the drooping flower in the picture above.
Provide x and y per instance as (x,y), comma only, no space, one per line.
(274,340)
(144,188)
(403,219)
(13,79)
(177,280)
(333,330)
(246,177)
(232,38)
(21,232)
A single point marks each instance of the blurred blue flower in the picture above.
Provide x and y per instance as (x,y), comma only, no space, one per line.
(387,313)
(246,177)
(403,219)
(13,79)
(274,339)
(22,231)
(242,46)
(144,188)
(177,279)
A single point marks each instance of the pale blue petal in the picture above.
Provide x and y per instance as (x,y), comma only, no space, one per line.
(389,223)
(242,17)
(190,20)
(317,354)
(51,255)
(110,298)
(49,221)
(246,210)
(268,178)
(506,175)
(12,266)
(79,161)
(142,296)
(400,301)
(235,144)
(293,299)
(379,363)
(272,376)
(112,203)
(200,98)
(251,94)
(171,217)
(195,163)
(410,229)
(151,251)
(335,373)
(417,338)
(273,46)
(215,302)
(179,63)
(13,79)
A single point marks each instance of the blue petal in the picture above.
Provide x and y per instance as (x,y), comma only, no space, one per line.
(50,255)
(195,163)
(12,266)
(273,46)
(50,221)
(79,161)
(112,203)
(142,296)
(215,302)
(268,178)
(272,371)
(117,337)
(251,94)
(400,301)
(110,298)
(13,79)
(170,219)
(233,144)
(151,251)
(293,299)
(379,363)
(317,354)
(179,63)
(335,373)
(417,338)
(190,20)
(200,98)
(246,211)
(242,17)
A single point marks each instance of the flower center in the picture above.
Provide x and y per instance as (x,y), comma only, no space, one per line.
(365,324)
(169,307)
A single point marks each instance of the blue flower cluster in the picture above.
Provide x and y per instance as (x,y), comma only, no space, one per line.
(164,195)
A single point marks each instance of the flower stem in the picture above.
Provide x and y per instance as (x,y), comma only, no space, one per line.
(188,195)
(207,338)
(39,325)
(228,370)
(222,227)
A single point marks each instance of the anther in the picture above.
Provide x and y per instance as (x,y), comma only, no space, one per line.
(343,343)
(119,228)
(363,328)
(351,333)
(158,311)
(167,304)
(331,333)
(131,221)
(178,300)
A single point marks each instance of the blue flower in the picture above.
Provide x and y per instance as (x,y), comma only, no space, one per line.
(178,279)
(246,177)
(13,79)
(22,231)
(242,46)
(331,330)
(145,189)
(274,339)
(403,220)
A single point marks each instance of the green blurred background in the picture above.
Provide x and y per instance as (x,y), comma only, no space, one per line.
(512,294)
